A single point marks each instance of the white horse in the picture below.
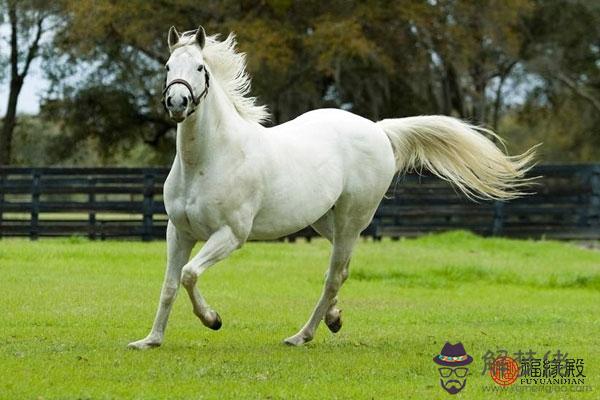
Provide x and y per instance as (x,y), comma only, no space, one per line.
(233,179)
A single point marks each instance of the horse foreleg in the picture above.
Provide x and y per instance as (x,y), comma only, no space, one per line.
(216,248)
(325,308)
(178,253)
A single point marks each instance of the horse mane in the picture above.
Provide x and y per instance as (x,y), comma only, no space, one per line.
(229,67)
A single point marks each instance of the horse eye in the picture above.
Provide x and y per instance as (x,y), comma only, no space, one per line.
(167,67)
(200,68)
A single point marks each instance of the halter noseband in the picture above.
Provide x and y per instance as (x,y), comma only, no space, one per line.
(195,100)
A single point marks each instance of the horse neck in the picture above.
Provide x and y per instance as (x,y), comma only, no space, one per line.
(215,130)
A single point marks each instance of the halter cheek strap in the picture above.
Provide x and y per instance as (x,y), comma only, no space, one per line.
(195,100)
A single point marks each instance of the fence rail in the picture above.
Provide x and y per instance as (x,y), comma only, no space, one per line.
(127,202)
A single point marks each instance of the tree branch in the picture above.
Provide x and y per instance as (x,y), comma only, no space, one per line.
(581,92)
(14,45)
(32,52)
(151,54)
(147,52)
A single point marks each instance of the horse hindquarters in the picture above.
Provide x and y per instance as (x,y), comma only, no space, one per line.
(369,170)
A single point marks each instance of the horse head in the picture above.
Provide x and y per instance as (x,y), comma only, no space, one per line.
(187,78)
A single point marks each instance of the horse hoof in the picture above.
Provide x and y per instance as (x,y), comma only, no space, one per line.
(297,340)
(217,323)
(143,344)
(335,325)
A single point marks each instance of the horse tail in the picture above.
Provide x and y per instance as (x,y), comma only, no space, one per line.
(459,153)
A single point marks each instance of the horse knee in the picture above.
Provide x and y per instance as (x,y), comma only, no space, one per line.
(188,277)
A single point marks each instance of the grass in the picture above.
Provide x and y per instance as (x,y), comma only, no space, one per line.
(69,307)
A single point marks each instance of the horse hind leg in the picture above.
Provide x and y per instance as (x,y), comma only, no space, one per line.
(333,316)
(324,227)
(346,231)
(342,249)
(351,215)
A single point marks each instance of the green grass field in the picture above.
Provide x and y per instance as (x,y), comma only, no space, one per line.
(69,308)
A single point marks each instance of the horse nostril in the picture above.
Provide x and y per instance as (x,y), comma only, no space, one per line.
(185,101)
(169,103)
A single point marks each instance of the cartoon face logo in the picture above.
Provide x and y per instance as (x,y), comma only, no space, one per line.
(453,380)
(452,360)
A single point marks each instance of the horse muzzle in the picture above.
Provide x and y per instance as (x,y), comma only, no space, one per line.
(178,107)
(177,117)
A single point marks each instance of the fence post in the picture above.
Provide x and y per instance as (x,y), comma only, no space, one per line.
(2,177)
(498,221)
(35,205)
(148,206)
(594,212)
(583,178)
(92,212)
(376,226)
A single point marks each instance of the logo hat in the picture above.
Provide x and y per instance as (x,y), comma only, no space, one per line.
(453,355)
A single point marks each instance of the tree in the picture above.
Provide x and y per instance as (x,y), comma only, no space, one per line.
(376,58)
(562,107)
(471,46)
(567,53)
(122,46)
(28,22)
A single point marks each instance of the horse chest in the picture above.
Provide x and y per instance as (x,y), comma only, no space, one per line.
(190,211)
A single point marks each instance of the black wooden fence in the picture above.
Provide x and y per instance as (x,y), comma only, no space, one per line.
(127,202)
(97,202)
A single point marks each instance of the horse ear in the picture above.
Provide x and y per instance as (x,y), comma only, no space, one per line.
(173,37)
(201,37)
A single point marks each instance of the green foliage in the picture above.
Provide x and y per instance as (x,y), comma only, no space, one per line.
(43,142)
(568,131)
(563,110)
(64,336)
(377,58)
(33,139)
(109,117)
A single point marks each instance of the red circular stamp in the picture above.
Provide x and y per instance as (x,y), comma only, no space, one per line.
(504,371)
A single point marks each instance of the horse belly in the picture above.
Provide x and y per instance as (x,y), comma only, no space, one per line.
(296,199)
(276,222)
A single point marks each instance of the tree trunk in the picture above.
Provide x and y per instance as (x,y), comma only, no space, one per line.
(456,93)
(16,78)
(503,74)
(498,102)
(10,121)
(479,99)
(446,96)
